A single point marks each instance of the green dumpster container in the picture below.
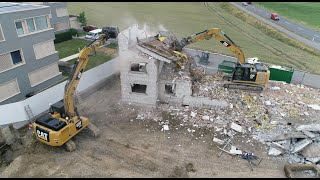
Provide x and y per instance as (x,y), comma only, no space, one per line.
(280,73)
(226,66)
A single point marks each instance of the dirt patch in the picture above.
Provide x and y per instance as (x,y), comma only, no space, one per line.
(130,147)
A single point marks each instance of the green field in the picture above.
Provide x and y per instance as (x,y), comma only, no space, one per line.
(186,18)
(70,47)
(307,13)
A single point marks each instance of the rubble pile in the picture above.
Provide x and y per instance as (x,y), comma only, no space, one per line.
(284,116)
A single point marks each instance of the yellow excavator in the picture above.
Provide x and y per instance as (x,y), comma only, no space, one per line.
(63,121)
(247,76)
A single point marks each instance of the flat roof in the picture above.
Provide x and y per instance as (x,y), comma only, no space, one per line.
(9,7)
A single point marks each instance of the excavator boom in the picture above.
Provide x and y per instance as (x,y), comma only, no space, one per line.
(218,35)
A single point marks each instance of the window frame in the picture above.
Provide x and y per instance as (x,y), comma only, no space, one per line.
(4,38)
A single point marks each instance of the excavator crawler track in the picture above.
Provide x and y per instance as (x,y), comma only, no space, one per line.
(94,130)
(246,87)
(70,146)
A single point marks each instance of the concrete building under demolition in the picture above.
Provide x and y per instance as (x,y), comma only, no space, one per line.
(149,78)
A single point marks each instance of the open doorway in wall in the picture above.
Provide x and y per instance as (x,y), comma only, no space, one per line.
(139,88)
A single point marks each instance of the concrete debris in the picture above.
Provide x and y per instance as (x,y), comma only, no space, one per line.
(300,145)
(275,88)
(314,160)
(311,151)
(267,103)
(274,152)
(219,141)
(165,128)
(289,135)
(206,118)
(280,117)
(236,127)
(314,106)
(310,127)
(310,134)
(235,151)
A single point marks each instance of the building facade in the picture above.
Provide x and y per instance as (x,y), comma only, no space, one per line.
(59,16)
(28,59)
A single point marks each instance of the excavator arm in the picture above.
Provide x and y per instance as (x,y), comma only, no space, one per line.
(76,74)
(218,35)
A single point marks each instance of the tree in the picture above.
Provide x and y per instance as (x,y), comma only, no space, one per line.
(82,19)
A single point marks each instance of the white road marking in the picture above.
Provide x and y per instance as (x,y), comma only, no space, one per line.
(317,36)
(286,22)
(300,28)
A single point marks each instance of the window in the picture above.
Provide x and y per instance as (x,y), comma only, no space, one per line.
(41,75)
(169,88)
(139,67)
(139,88)
(41,23)
(16,57)
(19,28)
(1,34)
(34,24)
(9,89)
(30,25)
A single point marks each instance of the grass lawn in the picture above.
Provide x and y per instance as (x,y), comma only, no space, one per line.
(94,61)
(187,18)
(70,47)
(307,13)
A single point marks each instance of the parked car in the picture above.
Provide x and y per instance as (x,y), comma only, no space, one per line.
(244,3)
(89,28)
(111,31)
(94,34)
(275,16)
(249,2)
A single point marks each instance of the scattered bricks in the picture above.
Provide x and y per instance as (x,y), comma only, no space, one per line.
(236,127)
(301,144)
(274,151)
(311,151)
(310,127)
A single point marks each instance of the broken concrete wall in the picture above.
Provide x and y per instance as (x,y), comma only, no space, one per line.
(181,89)
(305,78)
(128,37)
(129,78)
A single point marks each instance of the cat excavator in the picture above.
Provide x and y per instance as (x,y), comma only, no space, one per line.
(63,121)
(247,76)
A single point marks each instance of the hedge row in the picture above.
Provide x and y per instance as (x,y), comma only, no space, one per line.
(65,36)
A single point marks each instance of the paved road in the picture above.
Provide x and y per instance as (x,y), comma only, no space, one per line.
(286,23)
(279,25)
